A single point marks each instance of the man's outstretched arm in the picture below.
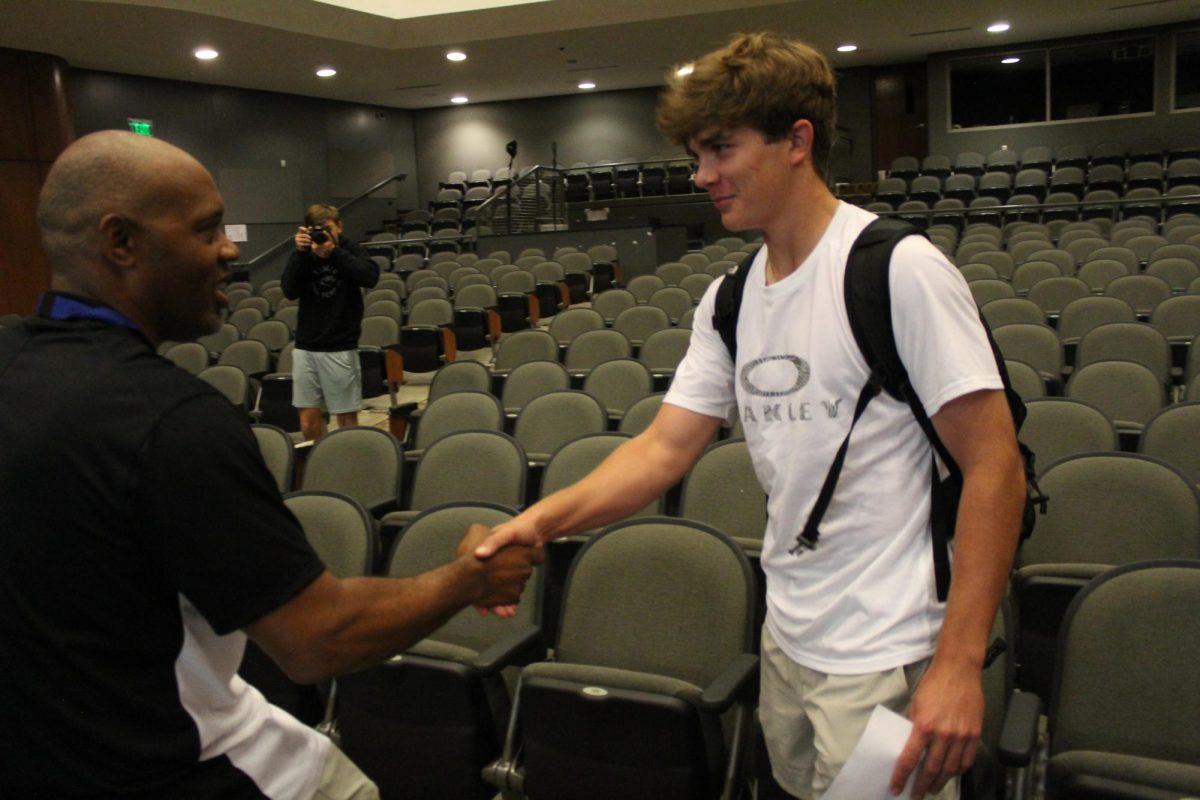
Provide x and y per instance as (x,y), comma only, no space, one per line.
(634,474)
(335,626)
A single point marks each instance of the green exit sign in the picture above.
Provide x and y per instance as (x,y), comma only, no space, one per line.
(142,127)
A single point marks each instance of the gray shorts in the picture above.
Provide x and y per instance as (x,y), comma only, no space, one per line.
(330,379)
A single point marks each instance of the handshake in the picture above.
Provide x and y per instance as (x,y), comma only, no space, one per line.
(501,572)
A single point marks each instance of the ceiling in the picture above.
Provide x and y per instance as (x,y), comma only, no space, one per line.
(530,50)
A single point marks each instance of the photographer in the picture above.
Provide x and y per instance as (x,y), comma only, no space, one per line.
(327,273)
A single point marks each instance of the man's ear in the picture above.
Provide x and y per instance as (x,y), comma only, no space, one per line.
(116,239)
(801,140)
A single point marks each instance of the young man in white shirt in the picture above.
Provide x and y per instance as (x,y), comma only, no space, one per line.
(855,621)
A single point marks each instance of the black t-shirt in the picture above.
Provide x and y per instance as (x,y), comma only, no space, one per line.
(330,295)
(137,513)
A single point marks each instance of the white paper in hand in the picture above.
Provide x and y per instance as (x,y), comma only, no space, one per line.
(868,771)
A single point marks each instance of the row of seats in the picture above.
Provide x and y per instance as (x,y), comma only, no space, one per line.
(1059,207)
(649,177)
(1146,512)
(1041,157)
(1019,238)
(436,330)
(475,179)
(998,235)
(461,452)
(428,722)
(1040,183)
(602,256)
(1099,275)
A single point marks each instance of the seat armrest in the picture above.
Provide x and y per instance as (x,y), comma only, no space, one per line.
(1018,737)
(380,507)
(736,682)
(520,646)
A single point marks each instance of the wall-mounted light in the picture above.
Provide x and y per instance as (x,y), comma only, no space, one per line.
(998,27)
(587,85)
(847,48)
(205,53)
(1010,60)
(459,99)
(326,72)
(456,55)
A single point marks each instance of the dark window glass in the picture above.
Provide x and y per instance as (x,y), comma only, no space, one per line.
(1187,69)
(1004,89)
(1102,80)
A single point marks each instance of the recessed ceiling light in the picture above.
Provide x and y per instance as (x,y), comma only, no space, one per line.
(326,72)
(1010,60)
(686,69)
(205,53)
(459,99)
(997,27)
(587,85)
(456,55)
(847,48)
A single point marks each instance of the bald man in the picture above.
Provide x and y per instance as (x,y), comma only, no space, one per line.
(143,539)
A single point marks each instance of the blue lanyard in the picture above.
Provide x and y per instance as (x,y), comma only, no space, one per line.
(64,307)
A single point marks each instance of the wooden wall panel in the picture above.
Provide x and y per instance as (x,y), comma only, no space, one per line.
(35,126)
(23,271)
(900,110)
(49,101)
(16,109)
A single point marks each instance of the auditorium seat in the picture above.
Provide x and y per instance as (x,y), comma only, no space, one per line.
(1118,726)
(611,711)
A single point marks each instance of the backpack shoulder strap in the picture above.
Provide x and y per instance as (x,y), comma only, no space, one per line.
(869,309)
(869,300)
(728,303)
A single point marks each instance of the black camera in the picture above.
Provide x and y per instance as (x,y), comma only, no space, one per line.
(319,234)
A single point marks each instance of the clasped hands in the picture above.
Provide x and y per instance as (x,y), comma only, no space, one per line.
(503,571)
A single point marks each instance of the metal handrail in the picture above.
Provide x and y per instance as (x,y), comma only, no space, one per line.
(666,161)
(1163,201)
(399,176)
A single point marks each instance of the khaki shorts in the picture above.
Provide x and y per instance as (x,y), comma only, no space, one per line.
(812,721)
(342,780)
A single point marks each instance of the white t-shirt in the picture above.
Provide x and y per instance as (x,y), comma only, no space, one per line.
(864,600)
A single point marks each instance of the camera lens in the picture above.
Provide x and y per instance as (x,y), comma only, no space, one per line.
(319,236)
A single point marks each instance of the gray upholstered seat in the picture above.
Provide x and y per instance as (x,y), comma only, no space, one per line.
(360,462)
(466,466)
(1105,510)
(424,723)
(1058,427)
(278,452)
(1124,714)
(722,490)
(655,643)
(618,384)
(553,419)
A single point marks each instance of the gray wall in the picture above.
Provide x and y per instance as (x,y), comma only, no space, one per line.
(854,156)
(1174,129)
(589,127)
(245,138)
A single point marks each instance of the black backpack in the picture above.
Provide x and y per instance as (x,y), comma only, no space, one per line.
(869,307)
